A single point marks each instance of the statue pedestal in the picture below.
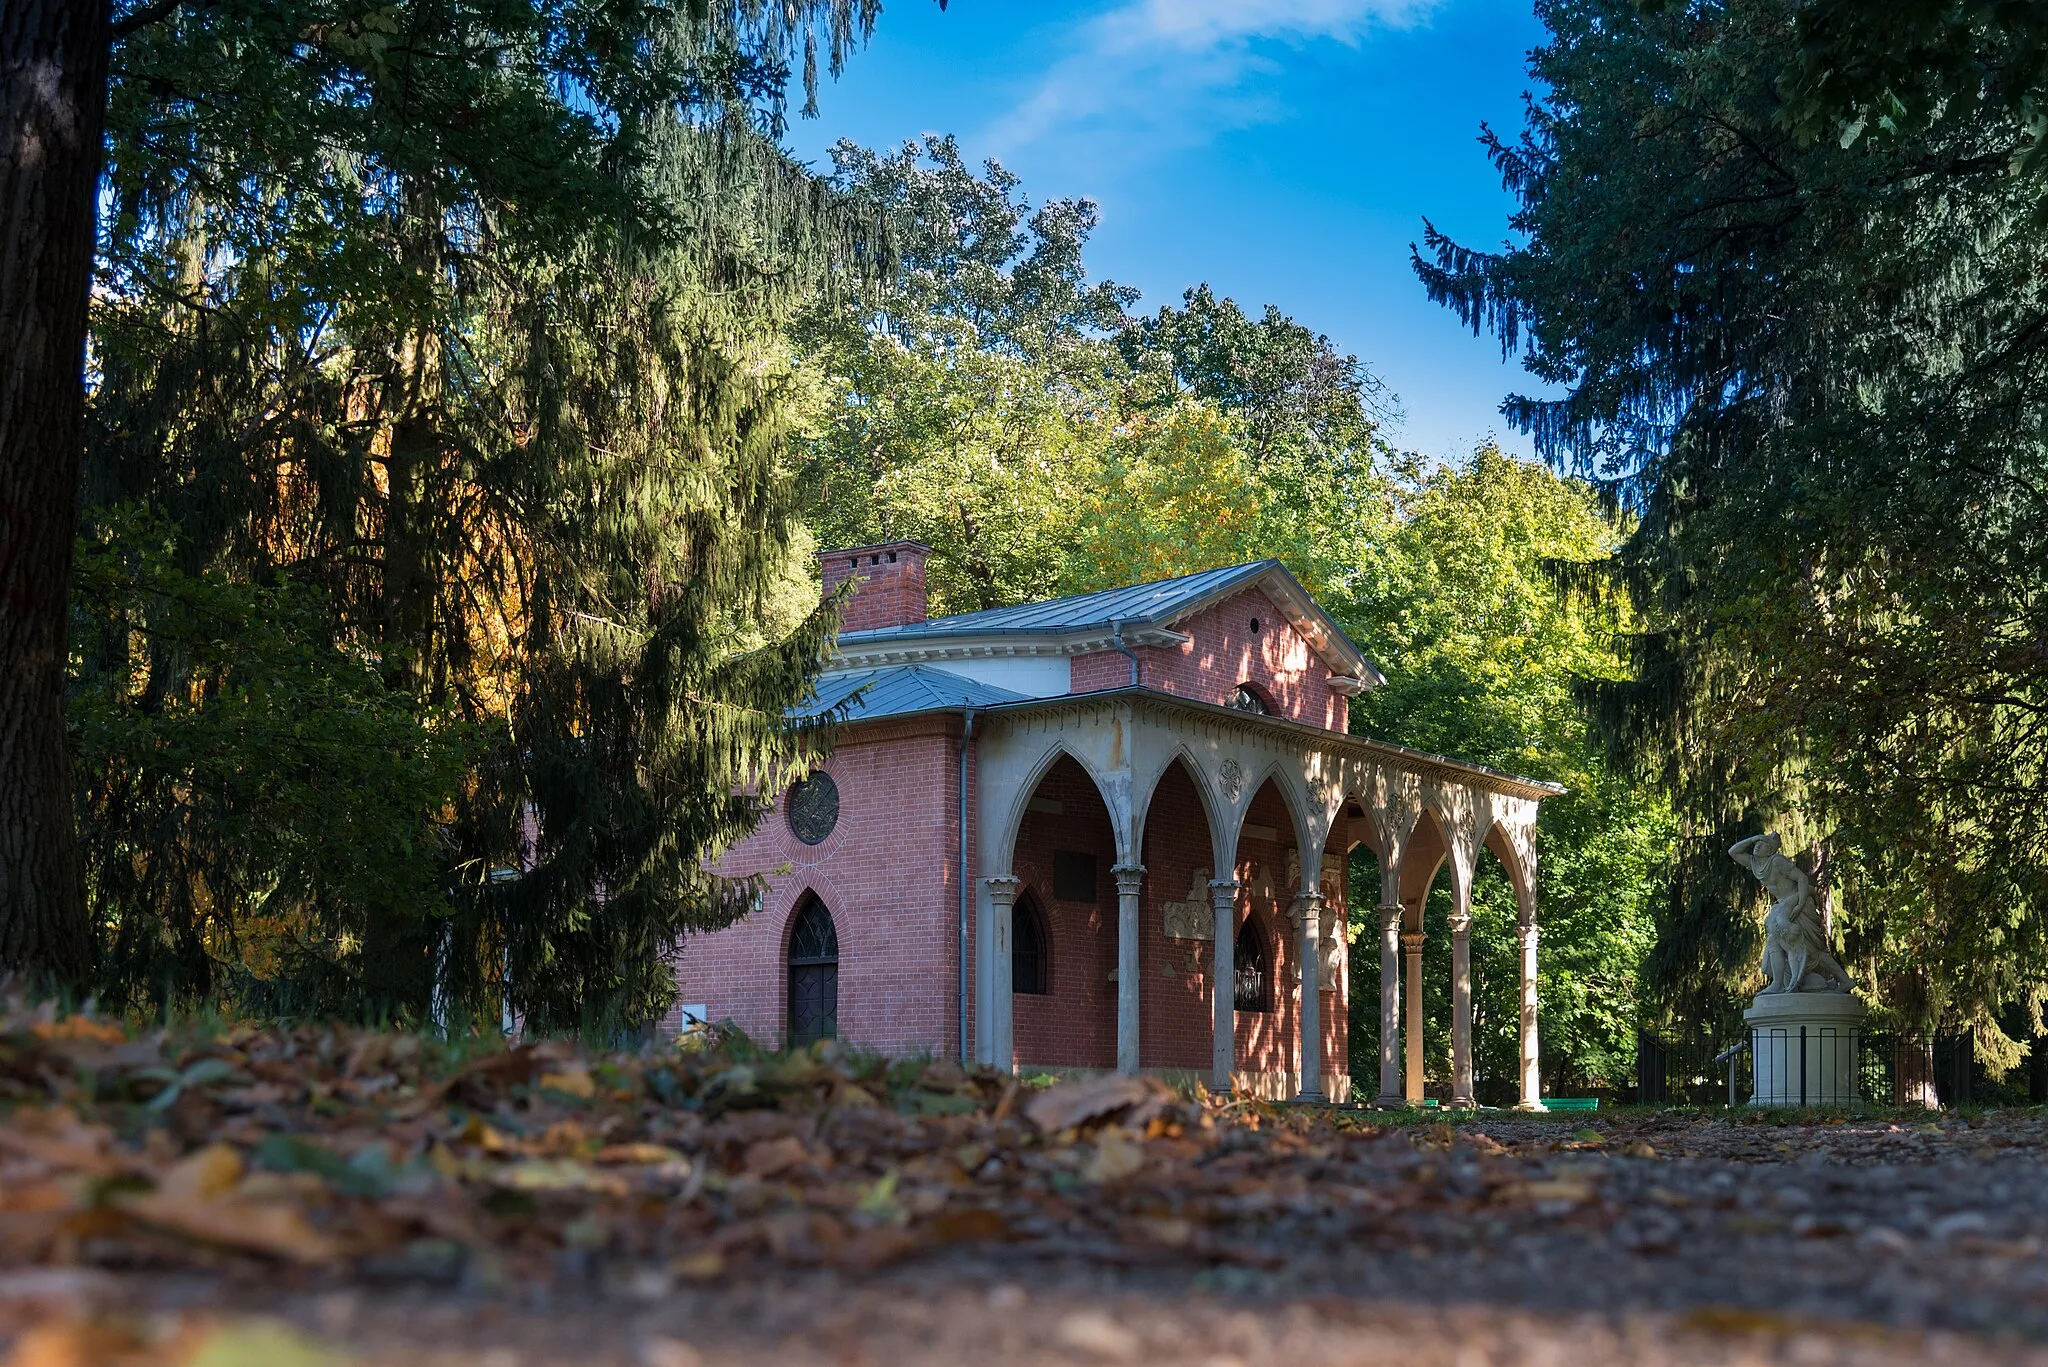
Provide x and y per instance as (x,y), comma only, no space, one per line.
(1804,1048)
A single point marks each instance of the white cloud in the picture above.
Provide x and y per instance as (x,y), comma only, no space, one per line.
(1178,71)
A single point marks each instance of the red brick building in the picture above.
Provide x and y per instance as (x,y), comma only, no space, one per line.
(1108,832)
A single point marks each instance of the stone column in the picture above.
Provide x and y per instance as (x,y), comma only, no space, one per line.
(1308,908)
(1223,1058)
(1532,1081)
(1129,879)
(1461,1010)
(1390,1007)
(1411,1037)
(1001,1034)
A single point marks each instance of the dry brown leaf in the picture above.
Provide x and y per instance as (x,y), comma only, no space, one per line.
(552,1174)
(268,1228)
(202,1174)
(574,1082)
(772,1156)
(640,1153)
(1570,1189)
(80,1028)
(59,1139)
(1068,1104)
(968,1225)
(1116,1157)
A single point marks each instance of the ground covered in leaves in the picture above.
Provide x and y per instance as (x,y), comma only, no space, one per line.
(321,1196)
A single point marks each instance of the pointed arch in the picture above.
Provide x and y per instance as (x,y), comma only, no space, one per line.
(1516,851)
(1252,968)
(1020,801)
(1287,784)
(1218,819)
(811,959)
(1429,845)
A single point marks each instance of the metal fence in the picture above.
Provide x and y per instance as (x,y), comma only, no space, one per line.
(1819,1067)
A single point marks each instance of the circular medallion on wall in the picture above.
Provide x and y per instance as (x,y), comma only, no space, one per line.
(813,807)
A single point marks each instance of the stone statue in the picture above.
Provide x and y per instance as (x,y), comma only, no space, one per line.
(1195,918)
(1796,954)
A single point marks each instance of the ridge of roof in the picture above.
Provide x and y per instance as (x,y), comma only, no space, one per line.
(1135,604)
(1149,604)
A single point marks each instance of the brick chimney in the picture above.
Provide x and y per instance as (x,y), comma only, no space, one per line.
(890,579)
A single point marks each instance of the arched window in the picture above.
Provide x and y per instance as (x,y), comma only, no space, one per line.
(813,974)
(1030,948)
(1250,698)
(1253,962)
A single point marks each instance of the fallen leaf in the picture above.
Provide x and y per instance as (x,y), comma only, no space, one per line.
(277,1231)
(260,1343)
(1571,1189)
(202,1174)
(640,1153)
(772,1156)
(80,1028)
(1115,1158)
(1068,1104)
(699,1267)
(553,1174)
(569,1082)
(1091,1331)
(968,1225)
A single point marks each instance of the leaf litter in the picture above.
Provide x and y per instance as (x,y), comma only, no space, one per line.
(316,1157)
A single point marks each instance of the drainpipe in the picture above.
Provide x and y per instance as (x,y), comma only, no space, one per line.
(1116,639)
(966,883)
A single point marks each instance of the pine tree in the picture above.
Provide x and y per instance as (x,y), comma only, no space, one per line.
(463,315)
(1809,368)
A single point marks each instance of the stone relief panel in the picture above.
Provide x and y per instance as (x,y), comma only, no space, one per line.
(1193,918)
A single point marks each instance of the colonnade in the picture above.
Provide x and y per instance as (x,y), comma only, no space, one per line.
(1420,812)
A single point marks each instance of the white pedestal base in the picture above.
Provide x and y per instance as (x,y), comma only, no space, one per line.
(1804,1048)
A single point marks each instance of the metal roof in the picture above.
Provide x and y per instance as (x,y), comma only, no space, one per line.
(900,690)
(1139,605)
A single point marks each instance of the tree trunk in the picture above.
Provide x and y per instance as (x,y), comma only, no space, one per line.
(53,100)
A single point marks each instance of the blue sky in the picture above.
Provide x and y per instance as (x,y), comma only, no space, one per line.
(1285,151)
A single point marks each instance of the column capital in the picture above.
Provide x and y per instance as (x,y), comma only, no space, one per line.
(1223,891)
(1390,916)
(1462,925)
(1527,931)
(1003,888)
(1305,904)
(1412,940)
(1128,877)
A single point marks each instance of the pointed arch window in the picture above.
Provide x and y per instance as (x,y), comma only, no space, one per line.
(813,974)
(1253,962)
(1030,949)
(1251,698)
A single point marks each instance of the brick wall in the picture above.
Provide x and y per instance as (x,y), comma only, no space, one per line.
(890,583)
(888,875)
(1223,652)
(1073,1026)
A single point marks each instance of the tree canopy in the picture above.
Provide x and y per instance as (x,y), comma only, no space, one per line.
(458,329)
(1809,367)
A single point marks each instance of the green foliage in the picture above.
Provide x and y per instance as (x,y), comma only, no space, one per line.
(466,319)
(1811,367)
(1482,652)
(258,805)
(1289,384)
(997,405)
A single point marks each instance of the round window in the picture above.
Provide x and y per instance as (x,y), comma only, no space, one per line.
(813,807)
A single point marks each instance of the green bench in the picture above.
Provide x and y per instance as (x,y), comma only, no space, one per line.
(1571,1103)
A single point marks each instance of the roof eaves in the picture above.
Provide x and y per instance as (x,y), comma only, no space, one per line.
(1496,778)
